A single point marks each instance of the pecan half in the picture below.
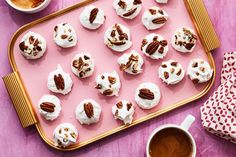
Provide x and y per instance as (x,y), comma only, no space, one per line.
(137,2)
(111,79)
(47,107)
(108,92)
(59,82)
(146,94)
(119,105)
(160,20)
(88,108)
(152,47)
(129,13)
(93,15)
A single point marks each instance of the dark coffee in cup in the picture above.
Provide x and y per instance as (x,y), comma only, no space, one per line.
(171,142)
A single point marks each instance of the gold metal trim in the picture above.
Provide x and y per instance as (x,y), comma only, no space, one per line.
(20,99)
(204,38)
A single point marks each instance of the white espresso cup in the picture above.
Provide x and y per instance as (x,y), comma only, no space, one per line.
(184,127)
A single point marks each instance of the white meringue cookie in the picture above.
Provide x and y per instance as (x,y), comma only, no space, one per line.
(82,65)
(147,95)
(108,84)
(162,1)
(118,38)
(65,135)
(59,81)
(65,35)
(92,17)
(154,46)
(199,71)
(123,111)
(88,112)
(49,107)
(171,72)
(184,40)
(32,45)
(131,63)
(154,18)
(127,9)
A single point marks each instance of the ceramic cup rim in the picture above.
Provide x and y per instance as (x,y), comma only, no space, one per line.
(171,126)
(32,10)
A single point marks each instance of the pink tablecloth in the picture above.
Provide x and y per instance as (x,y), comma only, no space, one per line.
(16,141)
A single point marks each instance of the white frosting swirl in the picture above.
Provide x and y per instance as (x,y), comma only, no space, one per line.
(67,81)
(81,115)
(57,109)
(85,18)
(65,135)
(162,1)
(32,45)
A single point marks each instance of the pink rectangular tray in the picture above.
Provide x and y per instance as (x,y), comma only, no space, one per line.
(29,80)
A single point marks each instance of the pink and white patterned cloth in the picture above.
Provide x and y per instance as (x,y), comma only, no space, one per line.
(218,113)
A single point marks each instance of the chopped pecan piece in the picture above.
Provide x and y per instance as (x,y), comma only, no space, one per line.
(64,36)
(174,64)
(108,92)
(153,11)
(88,108)
(47,107)
(78,64)
(119,105)
(179,72)
(131,12)
(137,2)
(111,79)
(22,46)
(122,4)
(146,94)
(166,75)
(98,86)
(129,105)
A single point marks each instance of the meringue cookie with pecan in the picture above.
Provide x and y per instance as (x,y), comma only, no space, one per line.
(49,107)
(199,71)
(82,65)
(118,38)
(154,18)
(131,63)
(184,40)
(32,45)
(147,95)
(92,17)
(59,81)
(154,46)
(88,112)
(108,84)
(127,9)
(162,1)
(123,111)
(64,35)
(171,72)
(65,135)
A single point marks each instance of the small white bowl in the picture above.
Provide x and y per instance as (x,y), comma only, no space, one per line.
(32,10)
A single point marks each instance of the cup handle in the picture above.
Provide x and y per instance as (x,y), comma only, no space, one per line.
(188,121)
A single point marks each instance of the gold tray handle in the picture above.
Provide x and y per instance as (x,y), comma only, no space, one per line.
(199,14)
(20,99)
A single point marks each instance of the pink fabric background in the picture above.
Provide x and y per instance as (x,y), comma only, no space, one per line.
(16,141)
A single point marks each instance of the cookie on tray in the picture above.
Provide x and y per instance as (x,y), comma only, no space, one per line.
(127,9)
(33,45)
(147,95)
(92,17)
(171,72)
(82,65)
(64,35)
(108,84)
(154,18)
(59,81)
(88,112)
(154,46)
(118,38)
(123,110)
(65,135)
(184,40)
(49,107)
(199,71)
(131,63)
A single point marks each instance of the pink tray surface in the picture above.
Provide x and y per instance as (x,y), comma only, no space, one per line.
(35,73)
